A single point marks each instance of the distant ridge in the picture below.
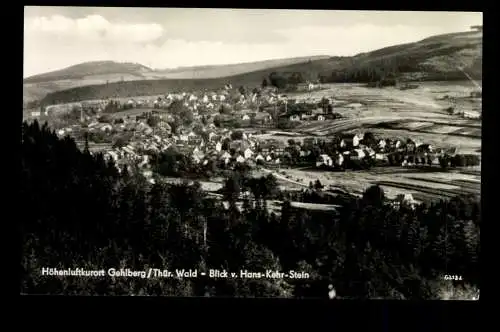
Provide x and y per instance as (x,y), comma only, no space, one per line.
(434,58)
(82,70)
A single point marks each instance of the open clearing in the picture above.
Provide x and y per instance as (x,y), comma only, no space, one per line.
(429,185)
(390,112)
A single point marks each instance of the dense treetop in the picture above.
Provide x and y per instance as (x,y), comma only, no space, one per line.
(84,213)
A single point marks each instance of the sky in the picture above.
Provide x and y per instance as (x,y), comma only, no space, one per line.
(58,37)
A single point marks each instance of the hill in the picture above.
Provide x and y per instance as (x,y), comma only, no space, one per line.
(102,72)
(218,71)
(436,58)
(89,69)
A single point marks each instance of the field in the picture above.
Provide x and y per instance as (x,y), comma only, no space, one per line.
(419,116)
(423,185)
(392,113)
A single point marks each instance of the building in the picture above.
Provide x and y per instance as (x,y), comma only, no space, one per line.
(350,141)
(324,160)
(472,115)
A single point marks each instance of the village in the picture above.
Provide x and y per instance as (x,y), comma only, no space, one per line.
(229,128)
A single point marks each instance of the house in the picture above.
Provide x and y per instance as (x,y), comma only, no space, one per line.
(321,118)
(324,160)
(304,153)
(35,113)
(164,126)
(145,161)
(262,117)
(369,152)
(424,149)
(248,153)
(226,157)
(113,155)
(106,127)
(218,146)
(198,156)
(405,199)
(410,146)
(309,142)
(245,117)
(259,157)
(349,141)
(295,117)
(240,159)
(339,159)
(472,115)
(305,86)
(358,154)
(382,143)
(212,136)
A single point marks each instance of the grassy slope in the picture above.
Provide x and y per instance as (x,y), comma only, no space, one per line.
(427,59)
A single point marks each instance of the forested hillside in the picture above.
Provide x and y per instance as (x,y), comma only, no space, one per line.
(80,212)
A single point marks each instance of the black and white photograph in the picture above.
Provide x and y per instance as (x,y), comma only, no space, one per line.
(257,153)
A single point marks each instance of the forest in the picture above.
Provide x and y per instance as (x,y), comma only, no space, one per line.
(82,212)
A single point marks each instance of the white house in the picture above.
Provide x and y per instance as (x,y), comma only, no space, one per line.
(358,154)
(321,118)
(324,159)
(382,143)
(259,157)
(192,98)
(211,136)
(214,97)
(145,161)
(406,199)
(222,97)
(218,146)
(339,159)
(106,127)
(226,157)
(354,141)
(294,118)
(240,159)
(268,158)
(248,153)
(370,152)
(113,155)
(205,99)
(245,117)
(472,115)
(35,113)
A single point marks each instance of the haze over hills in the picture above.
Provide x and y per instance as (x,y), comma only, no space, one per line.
(434,58)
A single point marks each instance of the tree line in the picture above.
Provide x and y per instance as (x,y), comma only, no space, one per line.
(84,213)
